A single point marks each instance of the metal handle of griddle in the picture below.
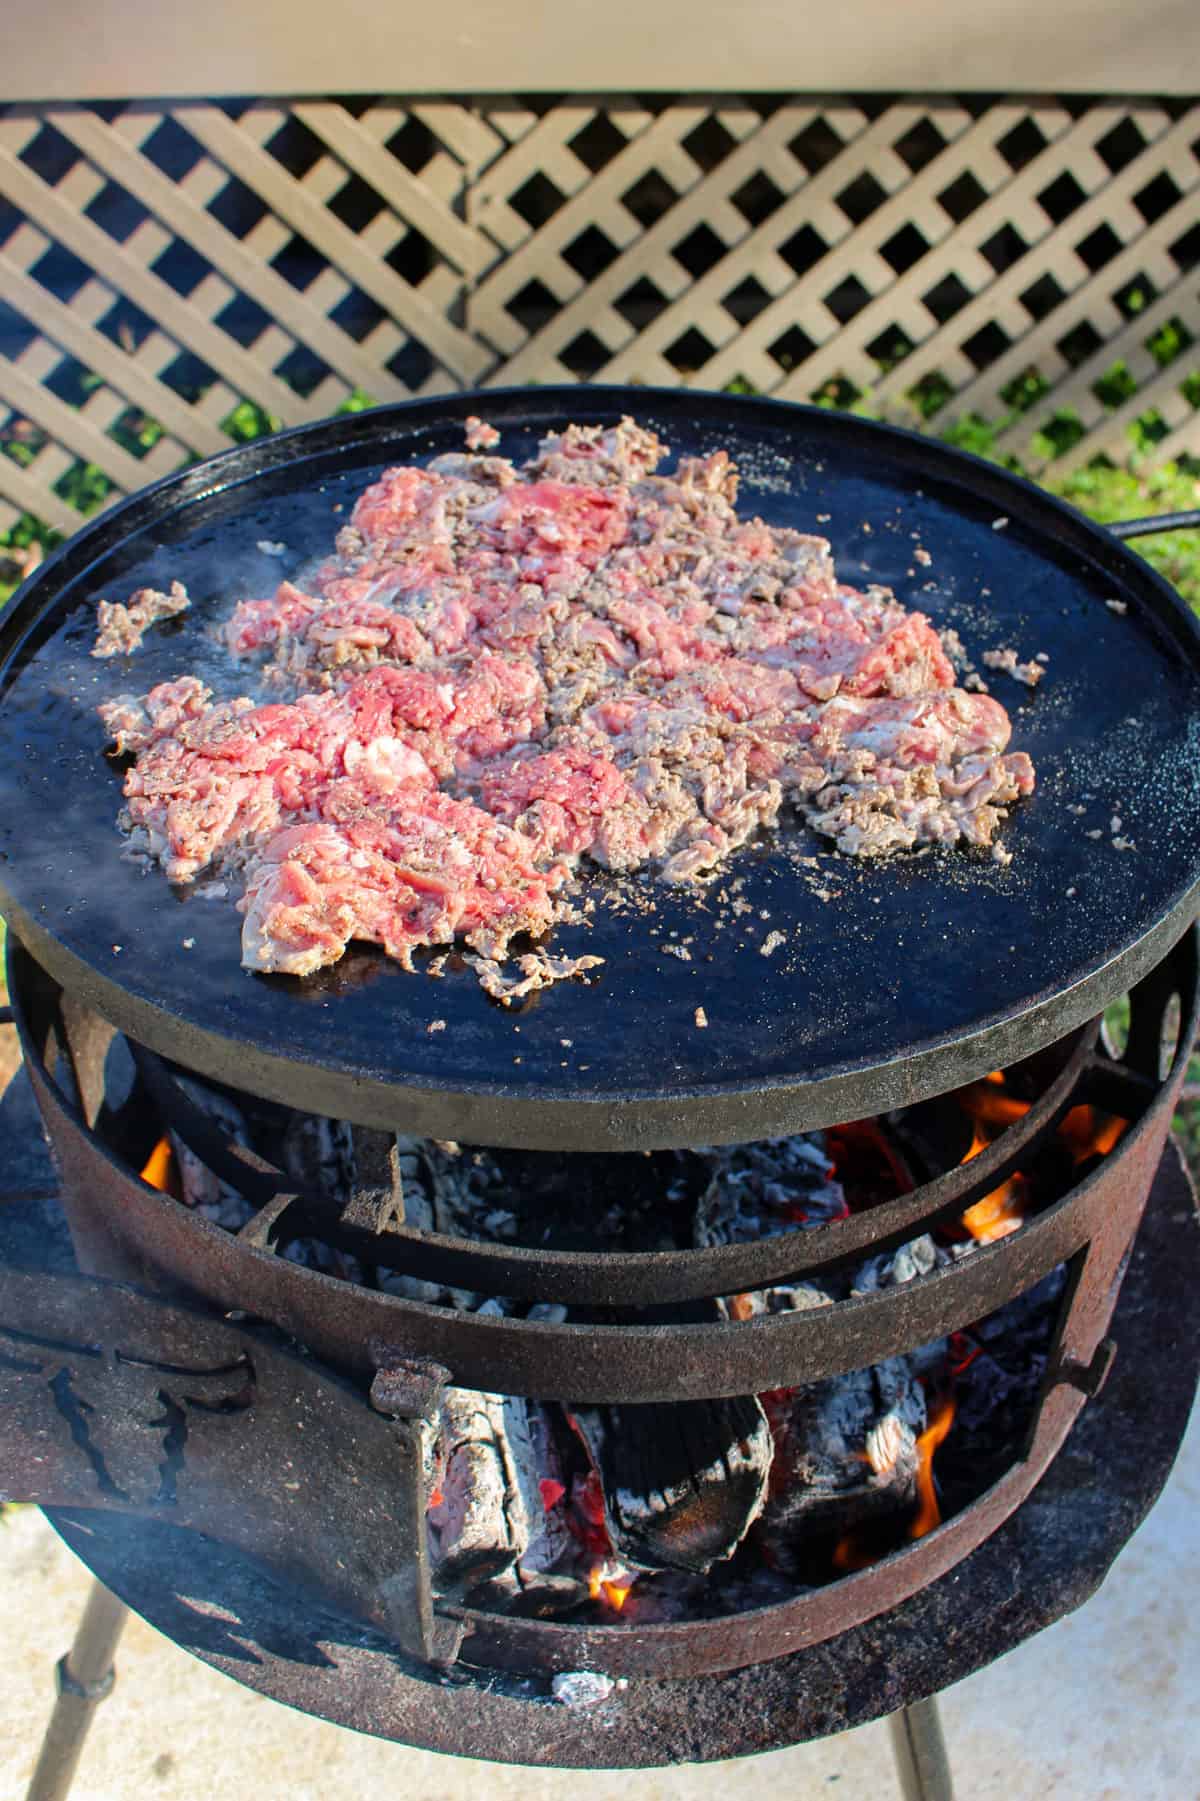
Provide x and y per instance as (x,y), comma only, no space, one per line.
(1160,522)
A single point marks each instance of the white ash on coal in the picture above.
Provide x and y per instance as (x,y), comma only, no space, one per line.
(488,1517)
(758,1190)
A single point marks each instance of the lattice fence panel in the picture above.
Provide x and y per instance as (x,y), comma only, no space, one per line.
(174,276)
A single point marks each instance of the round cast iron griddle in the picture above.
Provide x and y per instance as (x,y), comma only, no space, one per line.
(896,980)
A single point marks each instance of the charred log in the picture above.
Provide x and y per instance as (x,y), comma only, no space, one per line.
(488,1514)
(682,1484)
(846,1454)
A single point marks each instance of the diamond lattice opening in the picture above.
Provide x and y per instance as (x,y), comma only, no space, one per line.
(861,198)
(816,146)
(709,144)
(590,254)
(920,144)
(584,356)
(649,198)
(848,298)
(641,304)
(904,248)
(699,252)
(689,352)
(962,197)
(1119,146)
(1042,296)
(597,143)
(790,350)
(1004,248)
(746,301)
(413,144)
(537,200)
(758,198)
(986,345)
(532,306)
(946,298)
(1020,145)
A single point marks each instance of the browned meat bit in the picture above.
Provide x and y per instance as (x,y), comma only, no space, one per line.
(538,970)
(480,436)
(122,623)
(1006,659)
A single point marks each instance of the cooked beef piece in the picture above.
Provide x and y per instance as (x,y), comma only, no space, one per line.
(122,623)
(501,671)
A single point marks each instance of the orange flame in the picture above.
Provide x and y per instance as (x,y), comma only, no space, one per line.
(998,1213)
(1090,1133)
(983,1103)
(612,1583)
(991,1110)
(929,1514)
(160,1165)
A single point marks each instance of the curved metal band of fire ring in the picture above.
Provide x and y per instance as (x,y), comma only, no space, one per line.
(360,1329)
(628,1278)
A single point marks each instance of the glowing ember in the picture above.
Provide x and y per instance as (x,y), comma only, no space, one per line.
(851,1553)
(929,1514)
(867,1164)
(1090,1133)
(612,1583)
(160,1165)
(998,1213)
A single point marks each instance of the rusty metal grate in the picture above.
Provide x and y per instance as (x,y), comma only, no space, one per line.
(1035,263)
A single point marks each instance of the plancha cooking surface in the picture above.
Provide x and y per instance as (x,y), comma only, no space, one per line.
(893,979)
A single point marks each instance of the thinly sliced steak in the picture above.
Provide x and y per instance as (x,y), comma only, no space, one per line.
(502,671)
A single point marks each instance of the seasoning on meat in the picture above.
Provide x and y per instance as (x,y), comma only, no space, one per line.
(122,623)
(502,671)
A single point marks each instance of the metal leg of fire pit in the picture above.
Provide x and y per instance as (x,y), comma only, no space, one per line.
(84,1678)
(920,1753)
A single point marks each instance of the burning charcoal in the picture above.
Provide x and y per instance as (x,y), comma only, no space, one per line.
(314,1152)
(757,1190)
(794,1298)
(682,1484)
(846,1452)
(919,1257)
(546,1597)
(998,1385)
(491,1511)
(204,1191)
(437,1182)
(311,1151)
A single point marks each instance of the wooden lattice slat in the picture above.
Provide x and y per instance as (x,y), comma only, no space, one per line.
(163,263)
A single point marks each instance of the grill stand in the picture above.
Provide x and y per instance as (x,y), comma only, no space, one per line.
(919,1748)
(84,1678)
